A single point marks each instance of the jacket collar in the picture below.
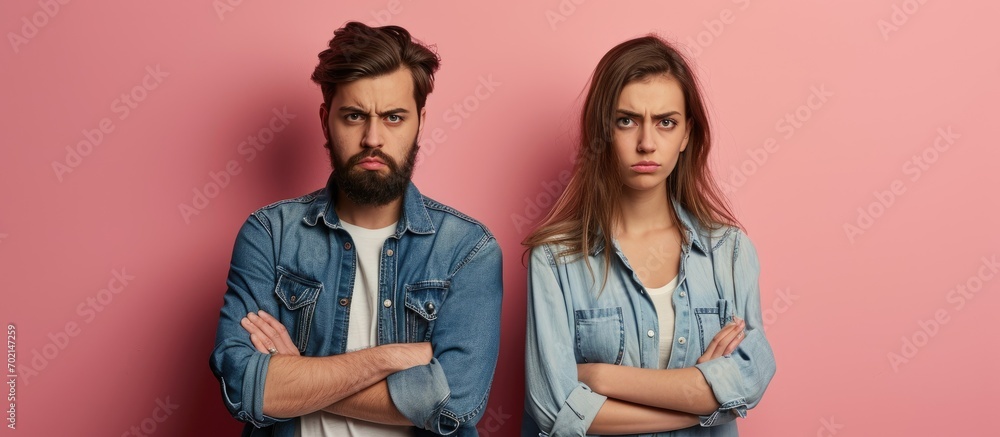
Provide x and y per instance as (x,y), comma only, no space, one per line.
(414,219)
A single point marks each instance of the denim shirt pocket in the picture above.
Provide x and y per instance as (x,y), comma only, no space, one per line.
(600,335)
(298,296)
(423,302)
(711,320)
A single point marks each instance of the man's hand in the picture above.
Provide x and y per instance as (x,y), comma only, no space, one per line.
(725,341)
(269,336)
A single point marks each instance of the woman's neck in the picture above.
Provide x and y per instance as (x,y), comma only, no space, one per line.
(644,211)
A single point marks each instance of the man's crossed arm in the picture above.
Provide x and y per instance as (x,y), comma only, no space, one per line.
(351,384)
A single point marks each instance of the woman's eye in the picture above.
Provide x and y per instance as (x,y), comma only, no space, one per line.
(624,122)
(668,123)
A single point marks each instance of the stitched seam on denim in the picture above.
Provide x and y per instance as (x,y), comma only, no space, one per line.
(722,238)
(462,418)
(486,239)
(437,206)
(306,198)
(263,220)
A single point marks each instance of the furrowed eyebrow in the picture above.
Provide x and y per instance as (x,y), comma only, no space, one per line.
(355,109)
(657,116)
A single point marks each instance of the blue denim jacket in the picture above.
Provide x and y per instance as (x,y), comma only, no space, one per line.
(570,321)
(440,281)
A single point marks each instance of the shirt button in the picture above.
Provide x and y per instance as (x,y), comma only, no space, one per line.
(344,301)
(650,333)
(388,252)
(347,245)
(429,307)
(681,340)
(387,303)
(683,294)
(293,298)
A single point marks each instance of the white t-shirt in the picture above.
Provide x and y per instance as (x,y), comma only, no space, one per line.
(662,301)
(362,331)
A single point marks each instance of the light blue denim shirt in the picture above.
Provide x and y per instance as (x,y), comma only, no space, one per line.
(571,321)
(440,280)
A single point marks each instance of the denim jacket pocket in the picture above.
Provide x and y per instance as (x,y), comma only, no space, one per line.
(298,296)
(423,302)
(600,335)
(711,320)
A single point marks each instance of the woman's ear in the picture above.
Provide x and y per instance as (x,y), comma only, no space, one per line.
(687,134)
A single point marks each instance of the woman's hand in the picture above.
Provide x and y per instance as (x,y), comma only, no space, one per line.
(725,341)
(268,335)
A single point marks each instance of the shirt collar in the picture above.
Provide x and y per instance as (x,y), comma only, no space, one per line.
(415,217)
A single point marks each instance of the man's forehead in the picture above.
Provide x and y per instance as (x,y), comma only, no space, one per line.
(393,90)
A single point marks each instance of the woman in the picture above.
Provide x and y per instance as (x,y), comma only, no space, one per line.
(643,303)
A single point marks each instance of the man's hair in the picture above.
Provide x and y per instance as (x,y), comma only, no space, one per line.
(359,51)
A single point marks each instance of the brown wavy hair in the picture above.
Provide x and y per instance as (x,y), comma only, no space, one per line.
(587,210)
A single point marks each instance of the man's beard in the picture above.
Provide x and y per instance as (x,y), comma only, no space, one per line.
(370,188)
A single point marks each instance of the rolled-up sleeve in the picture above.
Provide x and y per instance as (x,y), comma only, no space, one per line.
(559,403)
(739,380)
(240,369)
(449,395)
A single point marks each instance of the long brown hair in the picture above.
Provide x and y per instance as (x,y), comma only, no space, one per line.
(587,211)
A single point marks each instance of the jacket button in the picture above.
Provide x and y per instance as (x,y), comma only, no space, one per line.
(429,307)
(344,301)
(683,294)
(293,298)
(388,252)
(387,303)
(681,340)
(650,333)
(347,245)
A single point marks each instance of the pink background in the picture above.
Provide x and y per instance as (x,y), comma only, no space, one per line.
(836,306)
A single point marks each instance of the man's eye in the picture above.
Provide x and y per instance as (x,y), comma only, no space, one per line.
(354,117)
(393,118)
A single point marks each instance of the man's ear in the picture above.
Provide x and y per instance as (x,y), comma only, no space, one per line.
(324,117)
(420,126)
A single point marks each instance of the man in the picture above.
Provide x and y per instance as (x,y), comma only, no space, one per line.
(363,308)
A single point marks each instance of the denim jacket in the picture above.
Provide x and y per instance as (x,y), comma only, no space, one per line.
(440,281)
(571,320)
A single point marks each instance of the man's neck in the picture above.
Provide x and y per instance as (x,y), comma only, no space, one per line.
(368,216)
